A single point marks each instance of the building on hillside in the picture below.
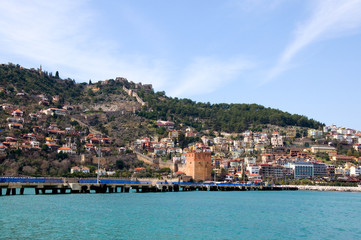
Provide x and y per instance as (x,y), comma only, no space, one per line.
(15,126)
(344,158)
(355,171)
(66,150)
(17,113)
(198,165)
(276,140)
(101,172)
(267,157)
(313,133)
(317,149)
(55,111)
(253,169)
(85,170)
(75,169)
(250,160)
(302,170)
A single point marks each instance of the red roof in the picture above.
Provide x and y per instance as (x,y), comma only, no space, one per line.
(64,148)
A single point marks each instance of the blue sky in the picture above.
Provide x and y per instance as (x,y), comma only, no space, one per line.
(298,56)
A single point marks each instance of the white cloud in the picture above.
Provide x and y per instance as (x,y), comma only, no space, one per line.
(206,75)
(63,36)
(329,19)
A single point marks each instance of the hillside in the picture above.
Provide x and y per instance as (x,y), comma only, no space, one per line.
(219,117)
(42,113)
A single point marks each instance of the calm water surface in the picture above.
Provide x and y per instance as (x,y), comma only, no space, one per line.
(182,215)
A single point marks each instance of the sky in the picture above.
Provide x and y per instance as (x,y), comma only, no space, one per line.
(300,56)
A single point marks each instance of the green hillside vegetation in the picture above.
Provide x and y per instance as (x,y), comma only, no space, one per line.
(15,78)
(219,117)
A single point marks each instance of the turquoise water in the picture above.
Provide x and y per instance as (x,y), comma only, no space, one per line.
(183,215)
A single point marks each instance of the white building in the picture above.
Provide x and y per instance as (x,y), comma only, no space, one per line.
(276,140)
(355,171)
(253,169)
(250,160)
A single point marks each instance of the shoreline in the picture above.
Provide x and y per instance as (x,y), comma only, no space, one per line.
(326,188)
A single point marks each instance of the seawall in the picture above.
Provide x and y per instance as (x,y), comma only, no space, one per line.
(327,188)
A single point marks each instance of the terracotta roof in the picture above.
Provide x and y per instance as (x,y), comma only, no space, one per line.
(64,148)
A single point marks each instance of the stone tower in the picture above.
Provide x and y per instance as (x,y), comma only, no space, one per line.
(198,165)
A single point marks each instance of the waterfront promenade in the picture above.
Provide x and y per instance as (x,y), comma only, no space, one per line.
(15,186)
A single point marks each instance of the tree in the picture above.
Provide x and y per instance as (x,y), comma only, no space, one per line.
(57,74)
(120,164)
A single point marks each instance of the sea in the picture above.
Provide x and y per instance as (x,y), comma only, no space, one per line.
(182,215)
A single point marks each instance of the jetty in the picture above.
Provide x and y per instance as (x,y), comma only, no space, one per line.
(16,185)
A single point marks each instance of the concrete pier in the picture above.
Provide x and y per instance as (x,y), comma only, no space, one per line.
(107,185)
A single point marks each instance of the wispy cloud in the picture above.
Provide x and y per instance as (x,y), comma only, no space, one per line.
(64,37)
(330,19)
(206,75)
(51,34)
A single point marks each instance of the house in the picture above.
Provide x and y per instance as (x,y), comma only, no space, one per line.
(3,148)
(54,111)
(276,140)
(343,158)
(17,113)
(355,171)
(105,140)
(250,160)
(66,150)
(253,169)
(100,172)
(105,149)
(313,133)
(15,126)
(85,170)
(167,124)
(255,178)
(75,169)
(34,143)
(7,106)
(15,120)
(52,147)
(25,147)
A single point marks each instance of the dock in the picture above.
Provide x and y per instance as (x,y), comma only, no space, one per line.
(15,185)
